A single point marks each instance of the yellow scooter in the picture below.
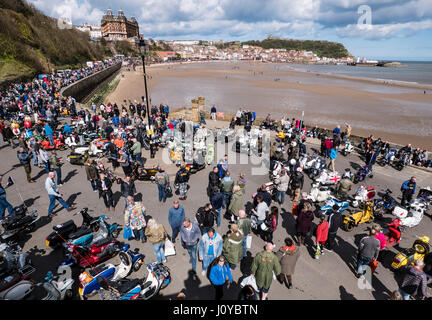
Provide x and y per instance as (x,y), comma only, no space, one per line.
(418,251)
(353,220)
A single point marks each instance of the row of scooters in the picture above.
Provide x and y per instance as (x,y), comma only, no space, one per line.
(86,247)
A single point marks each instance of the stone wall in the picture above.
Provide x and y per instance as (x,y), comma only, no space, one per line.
(82,88)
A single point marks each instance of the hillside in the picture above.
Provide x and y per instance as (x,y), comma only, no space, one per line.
(320,48)
(31,43)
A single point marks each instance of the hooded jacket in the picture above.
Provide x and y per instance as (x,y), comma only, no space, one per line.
(288,257)
(233,247)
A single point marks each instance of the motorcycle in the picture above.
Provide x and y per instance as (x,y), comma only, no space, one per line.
(69,230)
(157,279)
(389,158)
(144,174)
(18,223)
(384,205)
(418,251)
(362,195)
(15,259)
(364,216)
(77,158)
(276,168)
(404,160)
(363,173)
(327,208)
(106,230)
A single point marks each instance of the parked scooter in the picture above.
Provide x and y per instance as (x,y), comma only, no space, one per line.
(328,178)
(327,208)
(363,195)
(157,279)
(15,259)
(363,173)
(106,230)
(18,223)
(58,287)
(404,160)
(384,205)
(419,249)
(348,147)
(319,193)
(364,216)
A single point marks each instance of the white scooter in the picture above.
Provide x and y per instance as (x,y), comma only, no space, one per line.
(328,178)
(362,195)
(92,150)
(319,193)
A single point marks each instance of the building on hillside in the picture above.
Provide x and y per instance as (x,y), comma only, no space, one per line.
(118,27)
(93,30)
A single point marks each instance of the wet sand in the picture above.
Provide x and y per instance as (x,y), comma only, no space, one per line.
(399,113)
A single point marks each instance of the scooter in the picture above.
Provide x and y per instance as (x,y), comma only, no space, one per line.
(328,178)
(19,291)
(393,236)
(363,195)
(18,223)
(129,261)
(144,174)
(319,193)
(68,230)
(57,287)
(347,148)
(419,249)
(327,208)
(157,279)
(364,216)
(363,173)
(384,205)
(106,230)
(15,259)
(404,160)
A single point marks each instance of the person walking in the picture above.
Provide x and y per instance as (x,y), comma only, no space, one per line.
(127,189)
(213,113)
(157,235)
(217,203)
(321,235)
(226,186)
(136,151)
(55,165)
(162,181)
(205,217)
(209,248)
(297,181)
(264,265)
(244,225)
(333,156)
(134,218)
(233,246)
(261,211)
(288,256)
(4,204)
(414,282)
(408,188)
(54,195)
(282,184)
(303,223)
(24,157)
(91,173)
(214,181)
(335,220)
(124,163)
(368,249)
(236,203)
(182,178)
(176,216)
(44,159)
(220,273)
(271,222)
(104,185)
(190,234)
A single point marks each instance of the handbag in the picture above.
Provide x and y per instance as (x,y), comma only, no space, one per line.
(169,248)
(248,242)
(249,281)
(127,233)
(373,264)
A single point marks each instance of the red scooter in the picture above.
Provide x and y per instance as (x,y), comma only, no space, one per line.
(96,253)
(393,237)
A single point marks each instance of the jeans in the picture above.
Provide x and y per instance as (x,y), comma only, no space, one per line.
(35,158)
(281,195)
(405,295)
(218,217)
(226,199)
(362,264)
(93,184)
(139,234)
(4,204)
(137,157)
(47,166)
(52,199)
(244,246)
(107,197)
(202,120)
(192,250)
(207,260)
(159,251)
(58,174)
(162,193)
(203,230)
(175,231)
(51,140)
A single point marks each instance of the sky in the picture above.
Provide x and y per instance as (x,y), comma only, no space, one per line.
(378,29)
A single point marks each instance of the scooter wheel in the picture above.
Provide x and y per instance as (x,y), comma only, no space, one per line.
(68,294)
(115,233)
(137,265)
(165,282)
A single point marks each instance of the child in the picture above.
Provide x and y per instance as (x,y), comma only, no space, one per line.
(321,236)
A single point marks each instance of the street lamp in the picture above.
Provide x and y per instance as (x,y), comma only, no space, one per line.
(143,48)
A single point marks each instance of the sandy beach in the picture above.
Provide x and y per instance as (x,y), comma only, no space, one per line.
(397,112)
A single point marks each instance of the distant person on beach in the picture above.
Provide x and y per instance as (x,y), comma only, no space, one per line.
(213,113)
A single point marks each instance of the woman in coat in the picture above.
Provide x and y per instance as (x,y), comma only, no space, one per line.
(157,235)
(92,173)
(304,221)
(236,203)
(288,256)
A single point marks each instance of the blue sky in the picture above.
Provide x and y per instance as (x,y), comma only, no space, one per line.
(398,29)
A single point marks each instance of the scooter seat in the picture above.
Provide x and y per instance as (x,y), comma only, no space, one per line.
(101,242)
(68,225)
(79,233)
(95,271)
(127,286)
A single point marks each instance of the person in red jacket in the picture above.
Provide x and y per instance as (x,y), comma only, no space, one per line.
(321,235)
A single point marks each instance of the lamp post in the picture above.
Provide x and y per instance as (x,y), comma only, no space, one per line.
(143,49)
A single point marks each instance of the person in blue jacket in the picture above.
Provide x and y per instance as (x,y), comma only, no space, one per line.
(116,120)
(4,204)
(176,216)
(408,188)
(50,134)
(219,274)
(210,247)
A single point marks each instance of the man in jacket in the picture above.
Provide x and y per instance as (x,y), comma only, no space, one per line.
(244,224)
(266,196)
(54,195)
(162,181)
(282,184)
(127,188)
(49,133)
(297,181)
(226,186)
(368,250)
(414,282)
(335,220)
(210,247)
(408,188)
(371,157)
(24,156)
(343,186)
(176,216)
(261,210)
(214,181)
(4,204)
(136,151)
(205,217)
(104,186)
(233,246)
(190,234)
(217,203)
(263,266)
(182,178)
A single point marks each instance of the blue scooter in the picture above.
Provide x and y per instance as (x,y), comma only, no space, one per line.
(106,230)
(327,208)
(383,205)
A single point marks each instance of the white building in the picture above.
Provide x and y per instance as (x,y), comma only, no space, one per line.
(93,30)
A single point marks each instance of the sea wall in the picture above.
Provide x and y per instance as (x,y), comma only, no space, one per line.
(84,87)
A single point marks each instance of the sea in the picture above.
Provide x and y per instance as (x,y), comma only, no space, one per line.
(411,71)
